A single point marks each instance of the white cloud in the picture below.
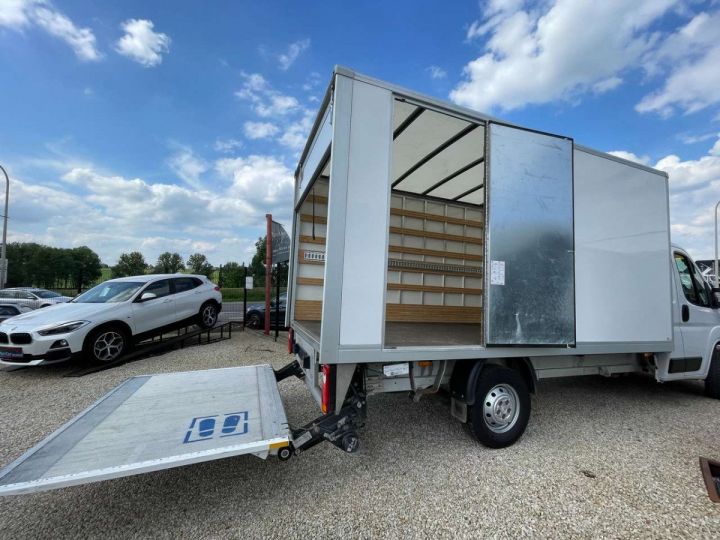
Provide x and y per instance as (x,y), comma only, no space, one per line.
(694,191)
(20,14)
(277,105)
(38,203)
(436,72)
(260,130)
(692,174)
(288,58)
(188,167)
(312,82)
(692,40)
(14,13)
(606,85)
(642,160)
(693,57)
(291,121)
(296,134)
(141,43)
(495,10)
(155,217)
(687,138)
(266,101)
(555,52)
(261,181)
(253,86)
(227,146)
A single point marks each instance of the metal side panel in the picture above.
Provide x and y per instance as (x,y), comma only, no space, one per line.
(530,294)
(158,422)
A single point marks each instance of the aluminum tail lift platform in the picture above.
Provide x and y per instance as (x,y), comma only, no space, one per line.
(156,422)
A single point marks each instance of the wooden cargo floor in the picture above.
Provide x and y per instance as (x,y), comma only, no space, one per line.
(411,334)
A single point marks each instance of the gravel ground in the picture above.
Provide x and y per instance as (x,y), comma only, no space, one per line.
(601,458)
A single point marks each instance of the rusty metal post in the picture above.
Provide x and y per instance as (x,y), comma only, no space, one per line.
(268,271)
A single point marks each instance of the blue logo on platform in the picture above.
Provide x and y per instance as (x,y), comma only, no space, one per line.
(204,428)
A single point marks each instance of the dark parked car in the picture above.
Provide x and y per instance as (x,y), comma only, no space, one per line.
(255,315)
(10,310)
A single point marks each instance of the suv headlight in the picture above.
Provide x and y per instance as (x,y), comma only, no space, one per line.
(64,328)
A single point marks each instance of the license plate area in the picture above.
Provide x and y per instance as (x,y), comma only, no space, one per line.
(11,353)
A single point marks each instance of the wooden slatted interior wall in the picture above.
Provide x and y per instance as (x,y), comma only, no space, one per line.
(431,231)
(423,231)
(311,253)
(311,310)
(308,310)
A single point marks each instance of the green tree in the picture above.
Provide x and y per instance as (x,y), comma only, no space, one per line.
(130,264)
(198,264)
(84,267)
(233,275)
(257,265)
(169,263)
(20,267)
(31,264)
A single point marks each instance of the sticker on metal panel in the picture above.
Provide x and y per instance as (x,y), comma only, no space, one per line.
(497,272)
(395,370)
(302,439)
(314,255)
(205,428)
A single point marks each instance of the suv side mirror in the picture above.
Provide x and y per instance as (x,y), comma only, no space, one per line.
(147,296)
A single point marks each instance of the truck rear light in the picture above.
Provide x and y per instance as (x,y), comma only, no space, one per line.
(217,288)
(326,387)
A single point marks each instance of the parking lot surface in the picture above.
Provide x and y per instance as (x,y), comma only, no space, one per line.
(601,458)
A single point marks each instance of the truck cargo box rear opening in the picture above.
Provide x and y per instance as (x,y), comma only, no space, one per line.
(435,253)
(309,282)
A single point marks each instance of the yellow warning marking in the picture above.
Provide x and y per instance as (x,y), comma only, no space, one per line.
(282,444)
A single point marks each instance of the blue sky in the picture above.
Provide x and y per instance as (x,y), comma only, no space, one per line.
(176,126)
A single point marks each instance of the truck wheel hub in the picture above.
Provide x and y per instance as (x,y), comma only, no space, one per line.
(500,408)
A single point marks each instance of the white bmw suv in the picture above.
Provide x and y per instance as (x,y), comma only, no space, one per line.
(104,322)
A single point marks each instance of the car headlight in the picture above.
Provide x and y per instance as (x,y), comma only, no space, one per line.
(64,328)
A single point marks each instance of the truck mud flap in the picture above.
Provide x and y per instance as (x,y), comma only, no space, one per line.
(156,422)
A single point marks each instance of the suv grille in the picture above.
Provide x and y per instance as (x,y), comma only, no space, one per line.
(21,338)
(3,337)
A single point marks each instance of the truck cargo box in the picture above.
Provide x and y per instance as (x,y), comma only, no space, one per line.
(426,230)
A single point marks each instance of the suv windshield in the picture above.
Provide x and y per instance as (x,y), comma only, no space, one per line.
(109,292)
(46,294)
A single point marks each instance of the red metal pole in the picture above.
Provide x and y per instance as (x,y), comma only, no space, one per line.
(268,271)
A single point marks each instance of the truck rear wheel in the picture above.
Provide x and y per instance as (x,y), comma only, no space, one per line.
(502,407)
(712,381)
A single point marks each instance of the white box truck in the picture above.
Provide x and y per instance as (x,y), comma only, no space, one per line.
(433,248)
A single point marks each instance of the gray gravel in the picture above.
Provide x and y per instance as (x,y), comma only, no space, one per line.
(601,458)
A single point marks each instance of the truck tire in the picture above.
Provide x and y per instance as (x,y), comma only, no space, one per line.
(712,381)
(502,407)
